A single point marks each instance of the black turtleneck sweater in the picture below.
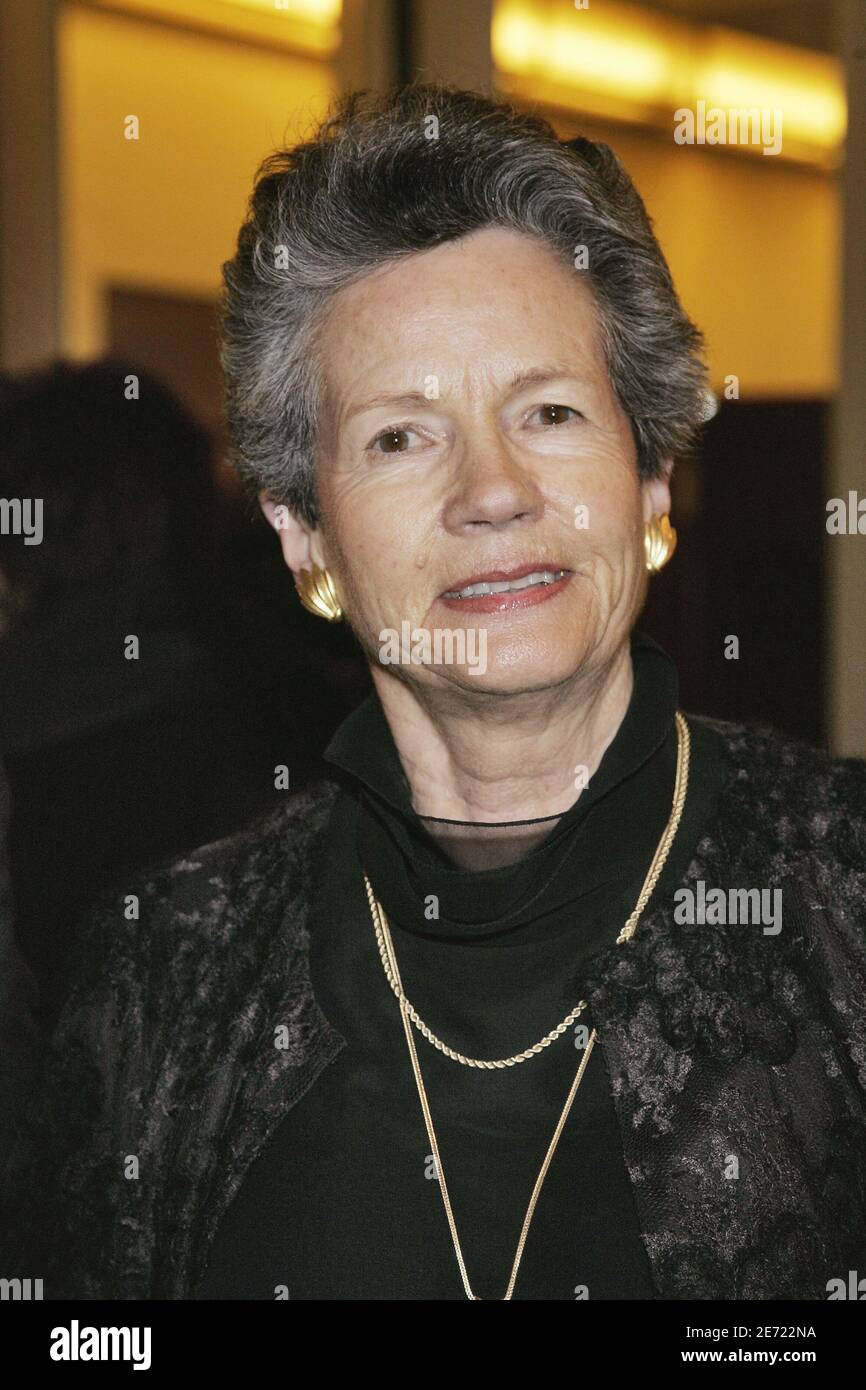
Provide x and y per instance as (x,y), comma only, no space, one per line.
(343,1203)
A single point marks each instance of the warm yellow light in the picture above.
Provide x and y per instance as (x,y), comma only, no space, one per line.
(624,62)
(304,26)
(311,11)
(601,60)
(619,50)
(518,39)
(754,73)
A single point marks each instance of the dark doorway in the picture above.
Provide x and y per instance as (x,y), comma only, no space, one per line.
(750,513)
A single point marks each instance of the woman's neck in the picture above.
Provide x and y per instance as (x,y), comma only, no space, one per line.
(491,757)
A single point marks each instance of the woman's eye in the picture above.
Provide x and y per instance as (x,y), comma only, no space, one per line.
(391,441)
(555,414)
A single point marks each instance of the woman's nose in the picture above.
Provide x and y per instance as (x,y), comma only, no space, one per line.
(491,488)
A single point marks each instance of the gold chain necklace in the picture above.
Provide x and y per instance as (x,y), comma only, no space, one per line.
(386,947)
(389,961)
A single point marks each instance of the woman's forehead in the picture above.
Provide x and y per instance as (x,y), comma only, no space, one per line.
(474,314)
(500,260)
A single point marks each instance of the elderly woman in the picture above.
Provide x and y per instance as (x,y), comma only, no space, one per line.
(547,990)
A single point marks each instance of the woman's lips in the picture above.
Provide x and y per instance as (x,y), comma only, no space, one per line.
(509,601)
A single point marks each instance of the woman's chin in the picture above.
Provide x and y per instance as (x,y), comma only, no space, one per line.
(493,657)
(512,673)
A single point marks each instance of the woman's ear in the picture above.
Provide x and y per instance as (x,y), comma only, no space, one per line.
(300,543)
(657,493)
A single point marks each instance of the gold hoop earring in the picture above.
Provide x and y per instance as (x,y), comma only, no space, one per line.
(318,593)
(660,542)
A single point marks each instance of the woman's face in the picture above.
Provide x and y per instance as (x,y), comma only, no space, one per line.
(470,428)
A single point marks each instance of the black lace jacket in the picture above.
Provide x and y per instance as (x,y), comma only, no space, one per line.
(737,1057)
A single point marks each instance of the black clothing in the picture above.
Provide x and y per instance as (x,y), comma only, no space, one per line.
(20,1039)
(501,965)
(114,764)
(193,1030)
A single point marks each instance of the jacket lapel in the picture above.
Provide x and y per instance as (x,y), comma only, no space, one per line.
(274,1045)
(724,1094)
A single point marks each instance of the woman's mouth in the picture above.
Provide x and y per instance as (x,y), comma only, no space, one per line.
(500,592)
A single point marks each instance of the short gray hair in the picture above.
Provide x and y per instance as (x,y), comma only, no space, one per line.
(381,179)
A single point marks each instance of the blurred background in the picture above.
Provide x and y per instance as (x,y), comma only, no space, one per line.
(110,270)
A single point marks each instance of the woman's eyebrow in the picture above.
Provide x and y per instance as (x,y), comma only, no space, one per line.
(403,398)
(539,375)
(536,377)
